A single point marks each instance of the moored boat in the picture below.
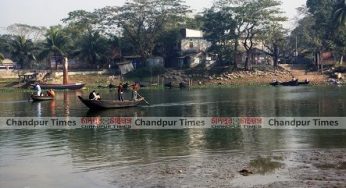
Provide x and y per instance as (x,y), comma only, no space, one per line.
(109,104)
(41,98)
(72,86)
(289,83)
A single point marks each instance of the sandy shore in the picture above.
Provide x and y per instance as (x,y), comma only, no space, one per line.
(302,168)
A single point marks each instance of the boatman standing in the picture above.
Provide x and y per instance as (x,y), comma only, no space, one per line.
(38,89)
(135,87)
(120,92)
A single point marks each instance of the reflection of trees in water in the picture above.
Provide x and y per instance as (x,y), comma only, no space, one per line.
(223,139)
(247,140)
(34,142)
(323,138)
(52,107)
(115,147)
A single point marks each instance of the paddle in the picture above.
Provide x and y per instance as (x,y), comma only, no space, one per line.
(143,99)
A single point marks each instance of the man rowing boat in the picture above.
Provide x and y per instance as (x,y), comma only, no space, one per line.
(135,88)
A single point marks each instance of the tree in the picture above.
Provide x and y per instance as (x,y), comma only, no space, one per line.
(219,27)
(56,45)
(93,48)
(143,21)
(22,51)
(274,40)
(256,15)
(251,17)
(81,22)
(339,13)
(321,28)
(30,32)
(339,22)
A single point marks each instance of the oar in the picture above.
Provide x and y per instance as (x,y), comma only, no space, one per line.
(143,99)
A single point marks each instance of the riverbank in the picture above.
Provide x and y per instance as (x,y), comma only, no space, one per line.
(301,168)
(200,78)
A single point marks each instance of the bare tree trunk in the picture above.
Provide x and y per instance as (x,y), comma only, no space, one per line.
(322,67)
(235,54)
(317,61)
(247,60)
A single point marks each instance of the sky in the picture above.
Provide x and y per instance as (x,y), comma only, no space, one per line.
(50,12)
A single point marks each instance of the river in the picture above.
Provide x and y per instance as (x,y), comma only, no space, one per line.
(109,158)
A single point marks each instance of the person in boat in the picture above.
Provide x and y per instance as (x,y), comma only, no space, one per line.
(135,88)
(307,81)
(120,92)
(294,79)
(92,95)
(97,97)
(38,89)
(275,82)
(51,93)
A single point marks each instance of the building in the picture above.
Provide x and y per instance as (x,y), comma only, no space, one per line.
(192,49)
(7,64)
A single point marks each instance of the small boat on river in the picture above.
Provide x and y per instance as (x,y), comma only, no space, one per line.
(109,104)
(289,83)
(71,86)
(41,98)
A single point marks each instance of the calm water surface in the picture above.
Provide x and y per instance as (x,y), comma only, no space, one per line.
(90,158)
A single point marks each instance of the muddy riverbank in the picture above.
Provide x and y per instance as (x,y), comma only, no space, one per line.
(301,168)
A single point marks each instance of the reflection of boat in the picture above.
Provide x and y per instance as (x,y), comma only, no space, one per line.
(289,83)
(108,104)
(72,86)
(41,98)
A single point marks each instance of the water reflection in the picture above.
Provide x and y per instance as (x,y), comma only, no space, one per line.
(265,165)
(257,101)
(52,107)
(126,112)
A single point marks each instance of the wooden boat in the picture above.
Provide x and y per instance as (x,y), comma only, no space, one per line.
(289,83)
(276,83)
(109,104)
(41,98)
(72,86)
(304,83)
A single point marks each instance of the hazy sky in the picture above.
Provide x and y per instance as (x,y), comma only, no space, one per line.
(50,12)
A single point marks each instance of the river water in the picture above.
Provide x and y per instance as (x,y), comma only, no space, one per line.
(93,158)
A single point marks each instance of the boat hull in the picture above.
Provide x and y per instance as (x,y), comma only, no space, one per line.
(41,98)
(289,83)
(73,86)
(109,104)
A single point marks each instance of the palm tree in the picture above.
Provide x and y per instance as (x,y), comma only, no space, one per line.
(22,50)
(339,22)
(339,13)
(56,45)
(93,48)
